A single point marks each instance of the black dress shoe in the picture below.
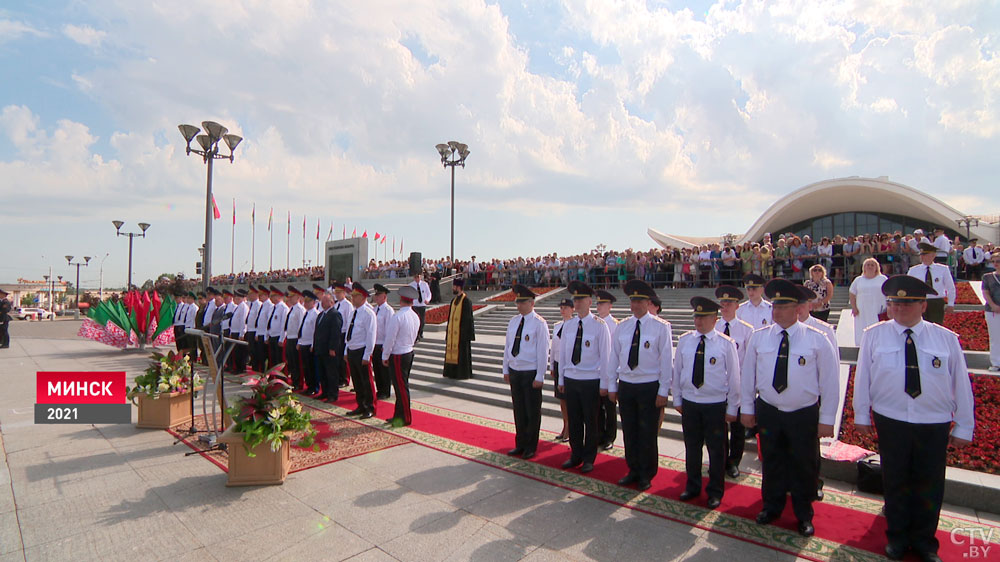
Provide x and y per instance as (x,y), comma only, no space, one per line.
(367,415)
(765,517)
(628,479)
(572,463)
(643,485)
(382,396)
(528,455)
(819,491)
(733,471)
(607,446)
(714,503)
(516,451)
(895,551)
(587,467)
(688,494)
(806,528)
(355,412)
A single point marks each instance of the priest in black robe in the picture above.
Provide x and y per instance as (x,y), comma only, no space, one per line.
(461,334)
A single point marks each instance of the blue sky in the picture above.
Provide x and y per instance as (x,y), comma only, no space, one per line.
(587,121)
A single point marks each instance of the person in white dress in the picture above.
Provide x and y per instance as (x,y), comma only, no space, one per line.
(867,300)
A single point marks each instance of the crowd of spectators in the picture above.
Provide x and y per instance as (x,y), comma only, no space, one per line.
(316,273)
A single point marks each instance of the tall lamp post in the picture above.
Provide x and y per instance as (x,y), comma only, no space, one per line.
(131,236)
(209,152)
(969,222)
(101,289)
(453,154)
(86,262)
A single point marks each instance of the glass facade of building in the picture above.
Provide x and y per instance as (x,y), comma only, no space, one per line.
(854,224)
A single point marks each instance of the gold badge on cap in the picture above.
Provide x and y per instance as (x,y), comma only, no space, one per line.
(802,360)
(901,293)
(777,295)
(936,362)
(711,361)
(586,343)
(646,345)
(699,309)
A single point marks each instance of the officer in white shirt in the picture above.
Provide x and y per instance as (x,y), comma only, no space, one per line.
(250,333)
(360,346)
(263,316)
(229,307)
(942,246)
(275,326)
(566,312)
(190,343)
(706,391)
(525,358)
(423,297)
(585,358)
(639,381)
(729,298)
(397,354)
(210,306)
(237,329)
(607,418)
(346,309)
(304,343)
(178,325)
(790,392)
(290,334)
(913,382)
(383,312)
(939,278)
(755,311)
(973,256)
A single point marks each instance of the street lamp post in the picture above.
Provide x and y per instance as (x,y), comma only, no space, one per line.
(86,262)
(453,154)
(131,236)
(969,222)
(101,289)
(209,152)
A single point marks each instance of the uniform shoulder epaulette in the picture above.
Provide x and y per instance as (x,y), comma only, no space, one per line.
(950,331)
(687,333)
(879,323)
(814,329)
(599,319)
(762,328)
(744,322)
(724,336)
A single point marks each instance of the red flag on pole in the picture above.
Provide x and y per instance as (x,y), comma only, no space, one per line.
(317,229)
(253,213)
(289,222)
(234,210)
(354,234)
(400,246)
(215,208)
(303,225)
(365,234)
(345,231)
(270,218)
(377,235)
(384,238)
(330,234)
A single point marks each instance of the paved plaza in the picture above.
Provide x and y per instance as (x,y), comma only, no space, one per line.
(113,492)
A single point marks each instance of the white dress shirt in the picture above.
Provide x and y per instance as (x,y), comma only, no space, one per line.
(383,313)
(722,371)
(229,308)
(533,351)
(943,246)
(739,331)
(179,313)
(813,372)
(595,350)
(292,322)
(757,316)
(346,309)
(238,323)
(363,334)
(263,315)
(400,332)
(425,294)
(945,389)
(252,314)
(190,313)
(209,311)
(973,255)
(276,321)
(308,328)
(612,325)
(655,353)
(828,330)
(943,283)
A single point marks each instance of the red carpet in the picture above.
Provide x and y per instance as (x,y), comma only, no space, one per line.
(842,519)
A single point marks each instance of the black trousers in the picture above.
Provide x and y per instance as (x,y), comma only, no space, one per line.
(737,442)
(178,337)
(383,378)
(329,374)
(344,368)
(704,425)
(607,421)
(5,333)
(935,311)
(249,352)
(583,398)
(307,368)
(913,466)
(640,424)
(421,313)
(789,460)
(527,403)
(262,353)
(400,366)
(292,361)
(361,376)
(274,357)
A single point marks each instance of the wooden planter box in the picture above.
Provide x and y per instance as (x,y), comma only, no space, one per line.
(268,467)
(165,412)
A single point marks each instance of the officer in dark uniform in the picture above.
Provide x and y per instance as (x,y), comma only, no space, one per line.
(5,308)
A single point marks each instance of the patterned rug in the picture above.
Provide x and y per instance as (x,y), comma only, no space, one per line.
(848,527)
(337,437)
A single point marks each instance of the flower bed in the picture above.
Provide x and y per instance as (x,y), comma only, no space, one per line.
(965,295)
(439,314)
(509,296)
(982,455)
(971,329)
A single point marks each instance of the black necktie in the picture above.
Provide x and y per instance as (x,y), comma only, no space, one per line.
(516,348)
(928,278)
(420,294)
(780,381)
(578,344)
(698,377)
(350,329)
(912,385)
(273,312)
(633,352)
(726,331)
(288,316)
(303,324)
(559,333)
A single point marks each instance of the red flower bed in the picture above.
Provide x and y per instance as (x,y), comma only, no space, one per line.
(439,314)
(971,329)
(509,296)
(982,455)
(965,295)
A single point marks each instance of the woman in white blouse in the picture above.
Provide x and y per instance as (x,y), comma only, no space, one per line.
(867,300)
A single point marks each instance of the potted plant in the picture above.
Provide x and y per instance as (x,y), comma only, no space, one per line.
(263,422)
(161,392)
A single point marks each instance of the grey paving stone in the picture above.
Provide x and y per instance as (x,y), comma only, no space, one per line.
(308,537)
(10,533)
(381,522)
(372,555)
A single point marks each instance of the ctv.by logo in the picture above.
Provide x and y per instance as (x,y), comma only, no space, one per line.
(976,539)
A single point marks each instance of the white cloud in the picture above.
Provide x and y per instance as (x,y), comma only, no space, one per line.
(85,35)
(11,30)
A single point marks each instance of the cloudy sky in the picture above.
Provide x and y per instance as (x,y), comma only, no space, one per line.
(587,121)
